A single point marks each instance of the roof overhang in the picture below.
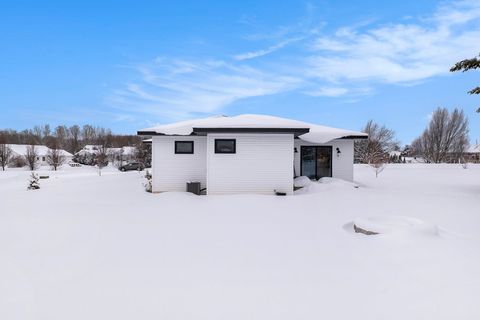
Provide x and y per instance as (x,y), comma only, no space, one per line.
(204,131)
(353,137)
(296,131)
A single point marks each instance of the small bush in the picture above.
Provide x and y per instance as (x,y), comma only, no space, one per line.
(17,162)
(33,182)
(148,184)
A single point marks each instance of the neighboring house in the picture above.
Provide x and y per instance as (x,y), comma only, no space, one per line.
(42,152)
(247,154)
(115,155)
(472,154)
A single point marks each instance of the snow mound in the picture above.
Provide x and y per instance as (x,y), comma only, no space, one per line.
(337,181)
(301,182)
(323,185)
(393,224)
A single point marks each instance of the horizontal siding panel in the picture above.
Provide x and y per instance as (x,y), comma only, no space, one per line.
(262,163)
(172,171)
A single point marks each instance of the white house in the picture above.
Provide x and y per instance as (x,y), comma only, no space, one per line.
(123,154)
(472,154)
(42,152)
(247,154)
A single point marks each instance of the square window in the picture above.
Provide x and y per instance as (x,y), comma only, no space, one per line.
(184,147)
(225,146)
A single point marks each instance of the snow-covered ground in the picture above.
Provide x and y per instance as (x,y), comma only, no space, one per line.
(98,247)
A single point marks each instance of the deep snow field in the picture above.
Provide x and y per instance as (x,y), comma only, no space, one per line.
(99,247)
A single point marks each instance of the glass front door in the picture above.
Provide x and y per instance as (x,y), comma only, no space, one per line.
(316,161)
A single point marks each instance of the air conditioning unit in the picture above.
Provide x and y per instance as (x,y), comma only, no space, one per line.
(193,187)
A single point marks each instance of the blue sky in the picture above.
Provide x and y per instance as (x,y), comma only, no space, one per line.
(132,64)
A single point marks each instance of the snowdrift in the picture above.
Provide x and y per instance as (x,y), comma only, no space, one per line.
(393,224)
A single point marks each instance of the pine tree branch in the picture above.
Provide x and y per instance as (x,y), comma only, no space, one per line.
(475,91)
(466,65)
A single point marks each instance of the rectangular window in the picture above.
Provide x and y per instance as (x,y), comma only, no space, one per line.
(225,146)
(43,158)
(184,147)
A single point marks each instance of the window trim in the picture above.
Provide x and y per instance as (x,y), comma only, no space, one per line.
(224,140)
(183,141)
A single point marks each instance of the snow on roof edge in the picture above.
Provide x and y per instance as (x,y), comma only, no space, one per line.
(317,133)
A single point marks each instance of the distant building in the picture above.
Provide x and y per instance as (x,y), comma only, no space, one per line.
(472,154)
(42,152)
(115,155)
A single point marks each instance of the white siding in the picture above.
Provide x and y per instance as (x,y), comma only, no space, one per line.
(262,163)
(342,164)
(171,171)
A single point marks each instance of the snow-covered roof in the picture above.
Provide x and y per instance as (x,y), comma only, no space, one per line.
(474,149)
(314,133)
(129,150)
(21,149)
(89,148)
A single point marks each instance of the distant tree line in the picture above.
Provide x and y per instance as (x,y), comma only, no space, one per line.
(71,139)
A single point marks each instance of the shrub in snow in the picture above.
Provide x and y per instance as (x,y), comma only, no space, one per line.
(17,162)
(378,167)
(33,182)
(148,184)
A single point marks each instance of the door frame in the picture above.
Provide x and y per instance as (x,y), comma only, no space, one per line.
(316,169)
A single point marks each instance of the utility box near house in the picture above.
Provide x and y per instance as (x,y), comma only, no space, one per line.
(193,187)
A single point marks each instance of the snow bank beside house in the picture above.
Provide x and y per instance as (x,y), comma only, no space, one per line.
(301,182)
(325,184)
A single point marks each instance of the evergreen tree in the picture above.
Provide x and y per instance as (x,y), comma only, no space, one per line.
(33,183)
(466,65)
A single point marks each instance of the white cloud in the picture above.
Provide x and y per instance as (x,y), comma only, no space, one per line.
(397,53)
(327,92)
(177,88)
(263,52)
(346,63)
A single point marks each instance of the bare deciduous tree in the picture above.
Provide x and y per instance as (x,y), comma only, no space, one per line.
(374,149)
(101,160)
(31,156)
(55,158)
(74,144)
(446,136)
(5,155)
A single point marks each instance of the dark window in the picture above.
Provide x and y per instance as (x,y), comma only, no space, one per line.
(184,147)
(225,146)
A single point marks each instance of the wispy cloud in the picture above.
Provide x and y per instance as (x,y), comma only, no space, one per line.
(263,52)
(347,63)
(327,92)
(178,88)
(398,53)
